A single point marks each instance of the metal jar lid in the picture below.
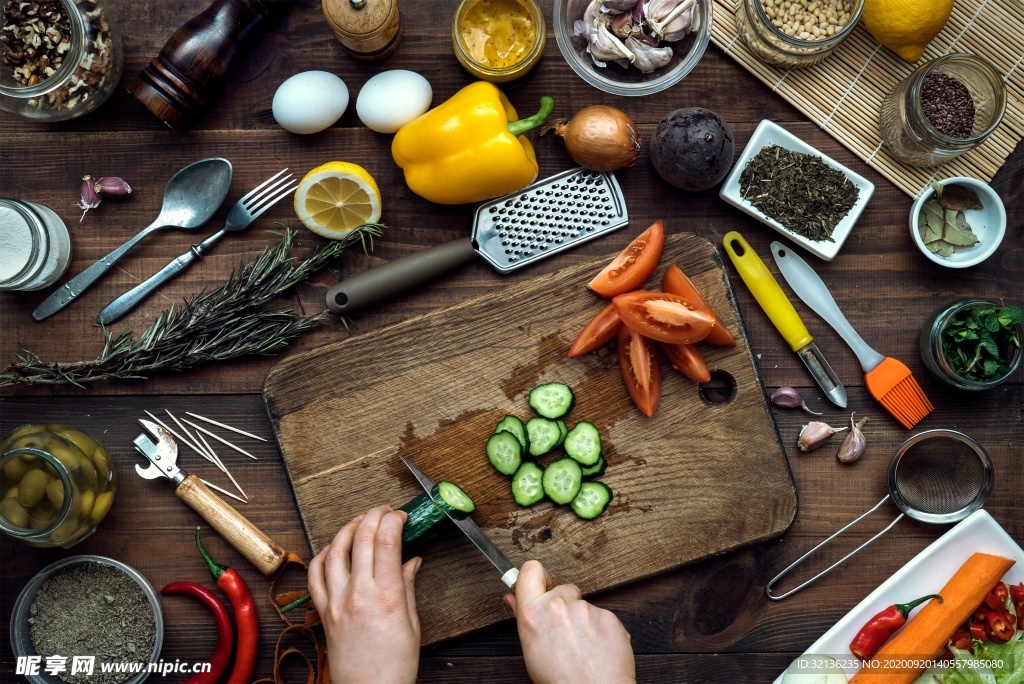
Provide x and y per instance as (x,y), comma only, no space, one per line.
(367,29)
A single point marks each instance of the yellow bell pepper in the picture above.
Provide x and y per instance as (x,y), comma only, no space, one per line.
(469,149)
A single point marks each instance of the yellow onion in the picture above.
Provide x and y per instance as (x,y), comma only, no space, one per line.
(600,138)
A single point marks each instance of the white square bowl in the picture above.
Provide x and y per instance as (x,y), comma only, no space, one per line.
(769,133)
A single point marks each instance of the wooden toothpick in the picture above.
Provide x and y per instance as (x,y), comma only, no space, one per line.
(220,439)
(226,427)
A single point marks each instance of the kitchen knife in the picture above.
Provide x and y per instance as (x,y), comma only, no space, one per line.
(509,572)
(782,314)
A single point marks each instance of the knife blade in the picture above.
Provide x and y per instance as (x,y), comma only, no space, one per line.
(783,316)
(509,572)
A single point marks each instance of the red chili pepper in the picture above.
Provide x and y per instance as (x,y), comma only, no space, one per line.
(980,631)
(232,584)
(1017,592)
(225,635)
(999,627)
(882,626)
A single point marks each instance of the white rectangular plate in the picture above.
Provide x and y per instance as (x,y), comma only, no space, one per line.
(927,573)
(768,133)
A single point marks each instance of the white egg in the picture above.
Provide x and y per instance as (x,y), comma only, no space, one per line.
(392,99)
(310,101)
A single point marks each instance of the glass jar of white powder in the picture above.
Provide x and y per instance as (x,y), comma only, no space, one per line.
(36,246)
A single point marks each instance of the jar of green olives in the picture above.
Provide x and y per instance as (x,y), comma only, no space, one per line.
(57,484)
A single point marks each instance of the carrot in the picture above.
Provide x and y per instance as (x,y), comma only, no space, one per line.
(924,637)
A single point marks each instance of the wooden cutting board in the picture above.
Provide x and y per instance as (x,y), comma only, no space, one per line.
(696,480)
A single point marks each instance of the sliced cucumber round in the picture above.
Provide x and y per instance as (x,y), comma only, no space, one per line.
(596,469)
(452,496)
(515,426)
(583,443)
(563,430)
(562,480)
(592,500)
(542,434)
(527,487)
(504,452)
(552,400)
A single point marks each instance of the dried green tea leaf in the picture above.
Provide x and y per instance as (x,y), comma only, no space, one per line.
(959,198)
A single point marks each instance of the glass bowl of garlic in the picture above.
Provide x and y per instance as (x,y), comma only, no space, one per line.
(632,47)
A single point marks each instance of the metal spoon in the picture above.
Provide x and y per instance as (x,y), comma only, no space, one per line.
(191,198)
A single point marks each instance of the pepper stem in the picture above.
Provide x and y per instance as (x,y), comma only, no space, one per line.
(517,128)
(294,604)
(905,608)
(215,568)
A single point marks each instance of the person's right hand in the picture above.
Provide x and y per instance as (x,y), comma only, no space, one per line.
(564,638)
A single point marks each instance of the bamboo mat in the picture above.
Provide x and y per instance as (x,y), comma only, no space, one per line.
(843,93)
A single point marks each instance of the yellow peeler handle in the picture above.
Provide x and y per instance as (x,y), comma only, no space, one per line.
(766,291)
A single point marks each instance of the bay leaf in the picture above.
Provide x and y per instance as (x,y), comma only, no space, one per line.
(932,211)
(937,187)
(945,249)
(964,226)
(959,198)
(953,234)
(924,230)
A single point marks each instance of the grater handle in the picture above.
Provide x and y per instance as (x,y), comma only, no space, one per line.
(398,276)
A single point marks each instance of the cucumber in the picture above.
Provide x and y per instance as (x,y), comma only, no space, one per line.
(552,400)
(563,430)
(596,469)
(527,487)
(542,434)
(562,480)
(583,443)
(504,452)
(515,426)
(592,500)
(427,520)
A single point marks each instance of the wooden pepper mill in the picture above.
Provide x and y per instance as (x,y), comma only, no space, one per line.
(192,68)
(367,29)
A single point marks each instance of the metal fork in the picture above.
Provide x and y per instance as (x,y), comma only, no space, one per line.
(244,212)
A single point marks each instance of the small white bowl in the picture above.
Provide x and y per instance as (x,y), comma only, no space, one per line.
(768,133)
(989,223)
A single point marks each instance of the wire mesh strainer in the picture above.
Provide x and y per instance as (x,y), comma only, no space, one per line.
(936,476)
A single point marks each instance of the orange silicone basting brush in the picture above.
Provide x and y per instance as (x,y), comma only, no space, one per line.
(888,380)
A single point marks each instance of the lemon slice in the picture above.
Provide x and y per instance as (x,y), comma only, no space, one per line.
(337,197)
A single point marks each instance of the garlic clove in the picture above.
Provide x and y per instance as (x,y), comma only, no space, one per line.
(90,198)
(112,186)
(854,444)
(814,434)
(647,58)
(787,397)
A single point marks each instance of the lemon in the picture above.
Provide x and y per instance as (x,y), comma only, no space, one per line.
(906,26)
(337,197)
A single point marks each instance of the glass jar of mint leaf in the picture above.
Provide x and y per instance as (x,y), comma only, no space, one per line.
(944,108)
(974,343)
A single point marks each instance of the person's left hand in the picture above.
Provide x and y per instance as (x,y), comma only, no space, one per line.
(367,602)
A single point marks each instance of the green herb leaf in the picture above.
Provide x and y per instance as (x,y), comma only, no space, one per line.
(1010,316)
(978,342)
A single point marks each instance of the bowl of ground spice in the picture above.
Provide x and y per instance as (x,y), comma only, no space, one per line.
(90,620)
(805,196)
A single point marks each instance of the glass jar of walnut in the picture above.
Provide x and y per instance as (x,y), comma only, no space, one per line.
(59,59)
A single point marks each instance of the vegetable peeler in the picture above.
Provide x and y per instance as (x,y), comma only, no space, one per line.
(258,548)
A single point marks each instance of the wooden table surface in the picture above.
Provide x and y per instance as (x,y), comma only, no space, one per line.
(705,623)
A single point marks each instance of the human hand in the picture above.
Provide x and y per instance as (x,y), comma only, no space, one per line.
(367,601)
(564,638)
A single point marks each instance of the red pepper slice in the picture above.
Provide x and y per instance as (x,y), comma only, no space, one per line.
(225,635)
(878,629)
(1001,592)
(980,631)
(1002,631)
(1017,592)
(993,601)
(962,639)
(237,591)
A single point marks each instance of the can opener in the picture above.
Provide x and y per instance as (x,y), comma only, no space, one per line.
(258,548)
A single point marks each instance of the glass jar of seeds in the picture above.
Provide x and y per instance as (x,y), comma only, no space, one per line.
(944,108)
(59,59)
(796,33)
(57,484)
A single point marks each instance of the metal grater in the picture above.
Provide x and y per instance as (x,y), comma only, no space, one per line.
(509,232)
(547,217)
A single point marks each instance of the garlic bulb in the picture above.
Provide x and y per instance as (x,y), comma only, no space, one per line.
(814,434)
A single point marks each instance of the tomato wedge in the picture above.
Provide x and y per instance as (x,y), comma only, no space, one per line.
(676,282)
(633,266)
(595,334)
(686,359)
(638,361)
(664,317)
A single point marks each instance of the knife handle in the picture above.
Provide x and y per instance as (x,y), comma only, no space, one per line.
(258,548)
(766,291)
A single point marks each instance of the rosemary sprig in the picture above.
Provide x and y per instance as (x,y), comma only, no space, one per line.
(225,323)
